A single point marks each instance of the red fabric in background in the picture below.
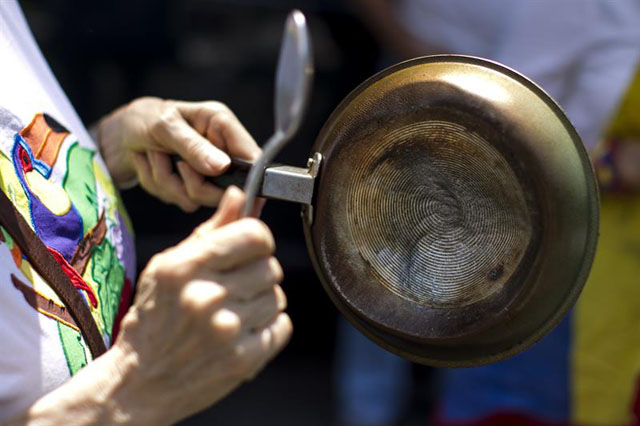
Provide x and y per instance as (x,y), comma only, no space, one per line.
(126,297)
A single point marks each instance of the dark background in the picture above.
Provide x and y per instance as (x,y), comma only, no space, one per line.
(108,53)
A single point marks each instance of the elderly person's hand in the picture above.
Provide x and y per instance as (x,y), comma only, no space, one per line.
(138,139)
(208,316)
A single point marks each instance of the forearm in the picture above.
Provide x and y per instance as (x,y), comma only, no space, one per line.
(102,393)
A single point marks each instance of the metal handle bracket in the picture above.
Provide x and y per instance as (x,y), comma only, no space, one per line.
(290,183)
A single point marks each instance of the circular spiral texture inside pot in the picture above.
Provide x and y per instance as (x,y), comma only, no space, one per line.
(438,214)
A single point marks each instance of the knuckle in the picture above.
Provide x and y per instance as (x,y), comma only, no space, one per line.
(190,306)
(157,259)
(210,254)
(164,120)
(266,309)
(161,266)
(179,263)
(221,121)
(162,257)
(226,325)
(280,298)
(287,326)
(195,259)
(198,297)
(169,273)
(281,331)
(216,106)
(223,118)
(275,270)
(159,125)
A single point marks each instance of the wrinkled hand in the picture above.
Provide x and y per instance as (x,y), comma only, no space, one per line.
(138,139)
(208,316)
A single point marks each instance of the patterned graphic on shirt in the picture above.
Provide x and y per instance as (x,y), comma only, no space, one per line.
(79,218)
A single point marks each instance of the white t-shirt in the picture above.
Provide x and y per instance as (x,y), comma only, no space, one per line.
(582,52)
(52,172)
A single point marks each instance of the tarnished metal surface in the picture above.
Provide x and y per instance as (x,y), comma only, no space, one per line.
(459,211)
(288,183)
(438,213)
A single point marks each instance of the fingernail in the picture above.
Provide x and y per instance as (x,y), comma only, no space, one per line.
(230,193)
(219,162)
(256,154)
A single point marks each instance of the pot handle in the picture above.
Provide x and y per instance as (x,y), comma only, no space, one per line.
(236,174)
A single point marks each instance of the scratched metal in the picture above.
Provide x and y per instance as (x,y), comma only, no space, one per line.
(438,213)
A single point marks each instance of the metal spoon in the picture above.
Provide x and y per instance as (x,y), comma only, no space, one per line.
(293,85)
(292,88)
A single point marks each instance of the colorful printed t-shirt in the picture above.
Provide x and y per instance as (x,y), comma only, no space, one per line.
(51,170)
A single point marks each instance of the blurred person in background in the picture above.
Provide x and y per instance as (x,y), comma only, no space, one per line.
(586,371)
(208,313)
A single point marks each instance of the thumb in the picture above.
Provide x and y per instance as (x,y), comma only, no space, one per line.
(229,208)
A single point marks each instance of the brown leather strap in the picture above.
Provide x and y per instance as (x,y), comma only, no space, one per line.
(45,264)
